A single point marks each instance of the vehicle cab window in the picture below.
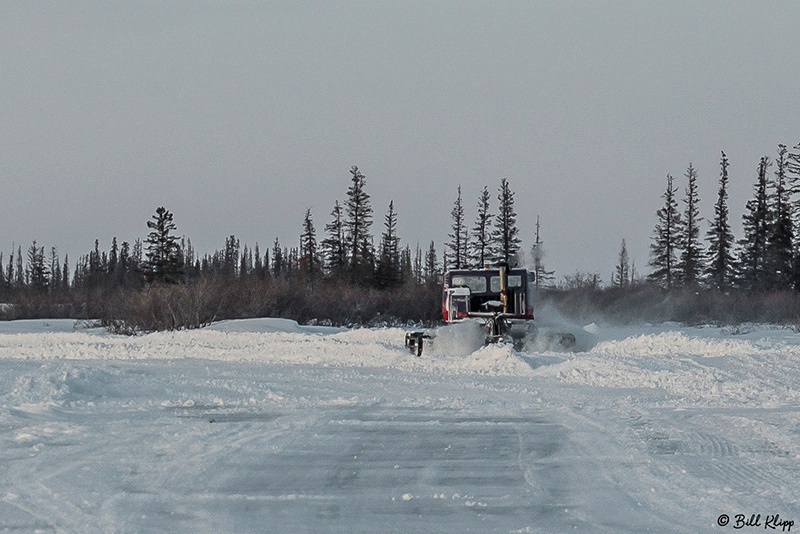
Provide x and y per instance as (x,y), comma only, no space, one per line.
(476,284)
(513,281)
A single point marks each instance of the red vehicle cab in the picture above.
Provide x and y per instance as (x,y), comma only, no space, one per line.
(481,292)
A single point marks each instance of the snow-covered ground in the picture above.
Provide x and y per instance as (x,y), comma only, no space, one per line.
(266,426)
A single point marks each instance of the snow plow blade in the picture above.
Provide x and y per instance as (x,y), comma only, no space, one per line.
(415,341)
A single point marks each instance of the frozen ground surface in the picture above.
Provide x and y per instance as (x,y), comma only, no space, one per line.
(265,426)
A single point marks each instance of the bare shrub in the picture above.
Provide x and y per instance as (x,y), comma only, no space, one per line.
(163,307)
(646,303)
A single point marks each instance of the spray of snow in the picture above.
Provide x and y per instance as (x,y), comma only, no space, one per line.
(458,339)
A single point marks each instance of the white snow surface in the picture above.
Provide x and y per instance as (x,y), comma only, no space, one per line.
(264,425)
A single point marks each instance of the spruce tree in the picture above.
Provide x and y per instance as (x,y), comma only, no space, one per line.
(288,262)
(756,224)
(780,237)
(278,267)
(164,257)
(189,260)
(94,265)
(258,264)
(406,265)
(113,257)
(37,273)
(505,238)
(309,259)
(691,264)
(431,270)
(245,263)
(666,240)
(293,261)
(387,273)
(357,224)
(136,256)
(9,281)
(333,246)
(65,274)
(417,270)
(55,270)
(622,271)
(793,178)
(19,280)
(458,237)
(230,260)
(123,264)
(367,265)
(721,263)
(481,230)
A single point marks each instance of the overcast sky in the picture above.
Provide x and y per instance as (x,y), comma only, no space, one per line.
(237,116)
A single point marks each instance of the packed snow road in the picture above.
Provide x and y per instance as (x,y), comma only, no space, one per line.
(264,426)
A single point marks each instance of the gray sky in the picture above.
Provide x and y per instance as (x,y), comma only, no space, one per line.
(237,116)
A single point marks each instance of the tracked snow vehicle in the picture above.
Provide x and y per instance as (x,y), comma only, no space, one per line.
(498,297)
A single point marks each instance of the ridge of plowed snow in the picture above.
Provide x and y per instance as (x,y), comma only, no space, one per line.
(715,370)
(674,342)
(362,347)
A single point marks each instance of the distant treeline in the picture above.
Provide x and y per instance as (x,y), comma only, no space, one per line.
(766,258)
(162,283)
(345,278)
(715,279)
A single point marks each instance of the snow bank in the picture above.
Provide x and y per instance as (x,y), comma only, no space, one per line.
(277,341)
(498,360)
(679,343)
(271,325)
(28,326)
(711,367)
